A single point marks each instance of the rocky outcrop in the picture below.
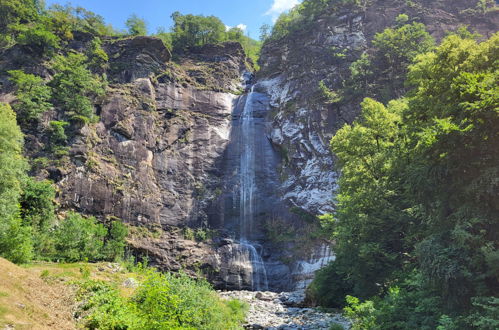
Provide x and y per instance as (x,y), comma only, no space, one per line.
(271,310)
(136,57)
(151,159)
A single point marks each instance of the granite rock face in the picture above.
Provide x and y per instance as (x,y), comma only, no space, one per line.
(292,67)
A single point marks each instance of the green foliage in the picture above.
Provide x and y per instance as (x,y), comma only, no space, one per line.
(306,13)
(66,19)
(16,244)
(361,314)
(328,96)
(114,249)
(382,73)
(12,164)
(136,26)
(395,50)
(76,238)
(15,239)
(486,315)
(196,30)
(38,212)
(97,57)
(75,87)
(162,301)
(57,133)
(32,96)
(17,11)
(38,37)
(166,37)
(416,217)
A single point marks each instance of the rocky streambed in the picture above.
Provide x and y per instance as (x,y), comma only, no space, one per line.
(271,310)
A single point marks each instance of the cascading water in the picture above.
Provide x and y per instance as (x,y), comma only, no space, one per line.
(247,191)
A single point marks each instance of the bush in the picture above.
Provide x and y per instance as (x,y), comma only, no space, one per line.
(162,301)
(98,59)
(57,133)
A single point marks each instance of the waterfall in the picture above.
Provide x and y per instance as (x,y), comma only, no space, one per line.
(247,192)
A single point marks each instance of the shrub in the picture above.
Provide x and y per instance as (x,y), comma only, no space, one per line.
(162,301)
(98,59)
(57,133)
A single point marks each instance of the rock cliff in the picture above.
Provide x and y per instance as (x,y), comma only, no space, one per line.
(292,67)
(163,155)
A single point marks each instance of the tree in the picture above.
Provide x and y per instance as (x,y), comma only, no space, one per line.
(33,96)
(136,26)
(17,11)
(115,243)
(74,87)
(15,240)
(265,30)
(38,212)
(196,30)
(79,238)
(416,221)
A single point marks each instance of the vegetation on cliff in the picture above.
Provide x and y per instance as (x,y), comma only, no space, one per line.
(416,223)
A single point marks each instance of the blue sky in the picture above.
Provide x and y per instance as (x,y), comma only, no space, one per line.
(248,14)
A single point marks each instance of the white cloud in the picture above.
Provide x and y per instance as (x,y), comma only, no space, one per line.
(240,26)
(280,6)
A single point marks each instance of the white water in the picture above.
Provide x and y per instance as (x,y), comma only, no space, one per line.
(247,192)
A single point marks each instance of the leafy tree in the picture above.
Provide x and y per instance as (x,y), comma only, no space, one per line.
(79,238)
(98,58)
(235,34)
(166,37)
(38,212)
(38,37)
(17,11)
(15,239)
(265,31)
(32,96)
(136,26)
(196,30)
(115,243)
(416,223)
(74,86)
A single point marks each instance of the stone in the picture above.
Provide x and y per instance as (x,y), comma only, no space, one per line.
(130,283)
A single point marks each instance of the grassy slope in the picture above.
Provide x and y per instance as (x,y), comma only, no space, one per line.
(39,296)
(28,302)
